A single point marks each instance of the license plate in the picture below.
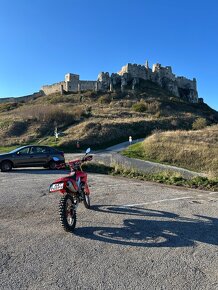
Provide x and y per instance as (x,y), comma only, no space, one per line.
(56,187)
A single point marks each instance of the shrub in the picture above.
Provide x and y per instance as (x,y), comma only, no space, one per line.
(52,117)
(150,106)
(8,106)
(17,128)
(62,118)
(88,112)
(104,99)
(97,168)
(50,114)
(57,99)
(199,123)
(153,106)
(139,107)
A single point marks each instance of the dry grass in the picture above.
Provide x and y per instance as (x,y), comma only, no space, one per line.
(97,119)
(43,112)
(196,150)
(104,132)
(33,121)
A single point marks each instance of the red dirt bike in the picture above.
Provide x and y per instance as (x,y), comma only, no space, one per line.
(73,189)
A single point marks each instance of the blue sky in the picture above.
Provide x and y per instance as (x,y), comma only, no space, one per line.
(42,40)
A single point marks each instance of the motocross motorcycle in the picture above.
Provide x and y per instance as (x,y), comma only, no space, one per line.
(73,189)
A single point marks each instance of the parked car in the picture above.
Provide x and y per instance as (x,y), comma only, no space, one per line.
(31,156)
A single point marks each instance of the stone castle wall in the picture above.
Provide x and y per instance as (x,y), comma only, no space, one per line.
(55,88)
(88,85)
(185,83)
(130,74)
(136,71)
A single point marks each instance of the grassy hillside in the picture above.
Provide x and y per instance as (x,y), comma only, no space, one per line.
(96,119)
(194,150)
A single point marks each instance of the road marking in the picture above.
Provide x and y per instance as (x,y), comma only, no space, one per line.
(156,201)
(169,199)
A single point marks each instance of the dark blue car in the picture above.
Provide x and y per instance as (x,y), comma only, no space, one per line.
(31,156)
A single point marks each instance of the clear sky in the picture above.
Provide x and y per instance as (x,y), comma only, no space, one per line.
(42,40)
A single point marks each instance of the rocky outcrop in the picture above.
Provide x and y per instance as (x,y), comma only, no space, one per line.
(104,81)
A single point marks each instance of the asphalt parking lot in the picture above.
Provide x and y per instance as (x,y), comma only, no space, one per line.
(137,235)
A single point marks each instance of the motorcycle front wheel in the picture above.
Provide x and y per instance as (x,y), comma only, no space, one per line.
(67,213)
(86,201)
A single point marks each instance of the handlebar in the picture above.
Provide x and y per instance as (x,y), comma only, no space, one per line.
(77,163)
(87,158)
(74,163)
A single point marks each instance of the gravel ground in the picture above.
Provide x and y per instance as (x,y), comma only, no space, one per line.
(137,235)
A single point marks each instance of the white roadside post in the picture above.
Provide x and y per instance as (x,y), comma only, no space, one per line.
(56,134)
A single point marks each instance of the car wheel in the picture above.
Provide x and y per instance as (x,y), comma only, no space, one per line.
(52,165)
(6,166)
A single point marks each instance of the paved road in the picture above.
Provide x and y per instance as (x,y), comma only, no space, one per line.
(120,146)
(138,235)
(107,156)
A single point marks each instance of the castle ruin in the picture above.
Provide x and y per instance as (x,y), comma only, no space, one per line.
(130,74)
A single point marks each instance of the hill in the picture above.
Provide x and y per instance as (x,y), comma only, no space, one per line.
(194,150)
(97,119)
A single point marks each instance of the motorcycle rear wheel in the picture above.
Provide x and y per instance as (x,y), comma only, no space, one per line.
(67,213)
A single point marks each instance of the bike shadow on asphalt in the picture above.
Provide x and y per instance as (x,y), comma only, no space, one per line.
(165,229)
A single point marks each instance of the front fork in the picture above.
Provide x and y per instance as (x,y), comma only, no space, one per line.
(76,199)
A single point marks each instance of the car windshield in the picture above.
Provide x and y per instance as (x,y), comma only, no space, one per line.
(17,149)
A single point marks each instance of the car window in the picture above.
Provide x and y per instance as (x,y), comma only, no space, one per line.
(38,150)
(16,150)
(45,150)
(53,151)
(24,151)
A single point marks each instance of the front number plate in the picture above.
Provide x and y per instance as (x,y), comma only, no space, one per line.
(56,187)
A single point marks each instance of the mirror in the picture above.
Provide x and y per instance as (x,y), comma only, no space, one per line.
(56,159)
(88,150)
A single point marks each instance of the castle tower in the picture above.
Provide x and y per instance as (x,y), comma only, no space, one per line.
(195,83)
(146,64)
(71,81)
